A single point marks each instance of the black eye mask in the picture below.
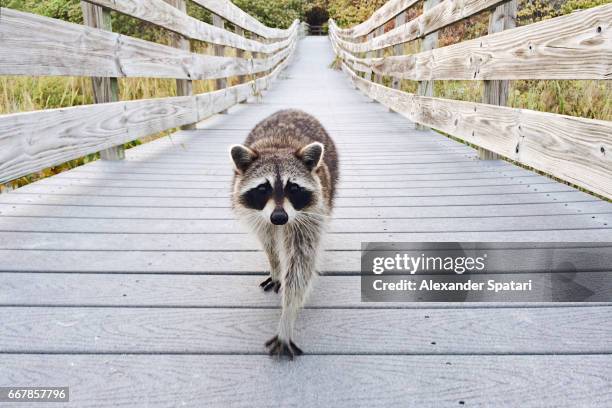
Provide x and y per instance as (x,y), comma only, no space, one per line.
(299,196)
(256,198)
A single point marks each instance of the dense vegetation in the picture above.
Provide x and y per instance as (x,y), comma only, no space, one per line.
(592,99)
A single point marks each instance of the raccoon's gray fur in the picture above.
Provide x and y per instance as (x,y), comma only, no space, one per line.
(284,185)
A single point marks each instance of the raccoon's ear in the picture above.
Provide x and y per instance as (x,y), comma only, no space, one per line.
(312,155)
(242,157)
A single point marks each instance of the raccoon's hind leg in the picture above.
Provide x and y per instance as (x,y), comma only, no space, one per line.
(269,241)
(299,263)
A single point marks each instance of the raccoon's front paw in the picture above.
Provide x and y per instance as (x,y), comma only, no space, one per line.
(280,348)
(270,284)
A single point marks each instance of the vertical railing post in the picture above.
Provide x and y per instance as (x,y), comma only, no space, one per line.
(104,89)
(220,52)
(240,54)
(496,92)
(370,54)
(184,87)
(379,31)
(398,49)
(429,42)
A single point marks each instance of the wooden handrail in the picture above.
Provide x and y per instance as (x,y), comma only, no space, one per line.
(163,15)
(566,147)
(232,13)
(574,46)
(381,16)
(40,46)
(32,141)
(436,18)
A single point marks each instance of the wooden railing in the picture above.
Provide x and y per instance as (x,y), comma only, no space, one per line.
(574,46)
(316,30)
(38,46)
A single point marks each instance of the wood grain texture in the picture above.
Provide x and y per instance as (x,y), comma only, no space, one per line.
(104,89)
(161,14)
(429,42)
(336,331)
(18,207)
(207,260)
(398,49)
(233,14)
(36,140)
(120,291)
(385,13)
(220,52)
(70,49)
(496,92)
(230,291)
(433,19)
(334,381)
(184,87)
(574,46)
(570,148)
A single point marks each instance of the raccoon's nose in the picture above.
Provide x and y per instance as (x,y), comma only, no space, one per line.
(279,216)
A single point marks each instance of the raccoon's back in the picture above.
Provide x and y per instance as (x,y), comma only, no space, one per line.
(293,129)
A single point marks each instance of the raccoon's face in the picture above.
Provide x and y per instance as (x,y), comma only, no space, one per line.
(277,186)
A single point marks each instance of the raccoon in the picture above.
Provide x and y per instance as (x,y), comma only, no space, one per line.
(283,189)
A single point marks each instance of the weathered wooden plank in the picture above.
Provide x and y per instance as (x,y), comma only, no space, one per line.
(33,141)
(143,169)
(574,46)
(184,87)
(240,54)
(224,192)
(429,42)
(220,52)
(36,140)
(223,202)
(380,184)
(335,331)
(379,31)
(104,89)
(17,209)
(235,15)
(160,14)
(398,49)
(240,262)
(96,241)
(222,291)
(41,46)
(378,18)
(570,148)
(340,381)
(343,225)
(440,16)
(496,92)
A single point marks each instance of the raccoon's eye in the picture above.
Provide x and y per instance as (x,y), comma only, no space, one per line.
(299,196)
(257,197)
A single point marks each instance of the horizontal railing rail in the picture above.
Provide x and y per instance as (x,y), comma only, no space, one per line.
(567,47)
(161,14)
(381,16)
(316,30)
(574,46)
(235,15)
(39,46)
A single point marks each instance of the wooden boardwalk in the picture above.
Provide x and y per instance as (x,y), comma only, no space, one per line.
(131,282)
